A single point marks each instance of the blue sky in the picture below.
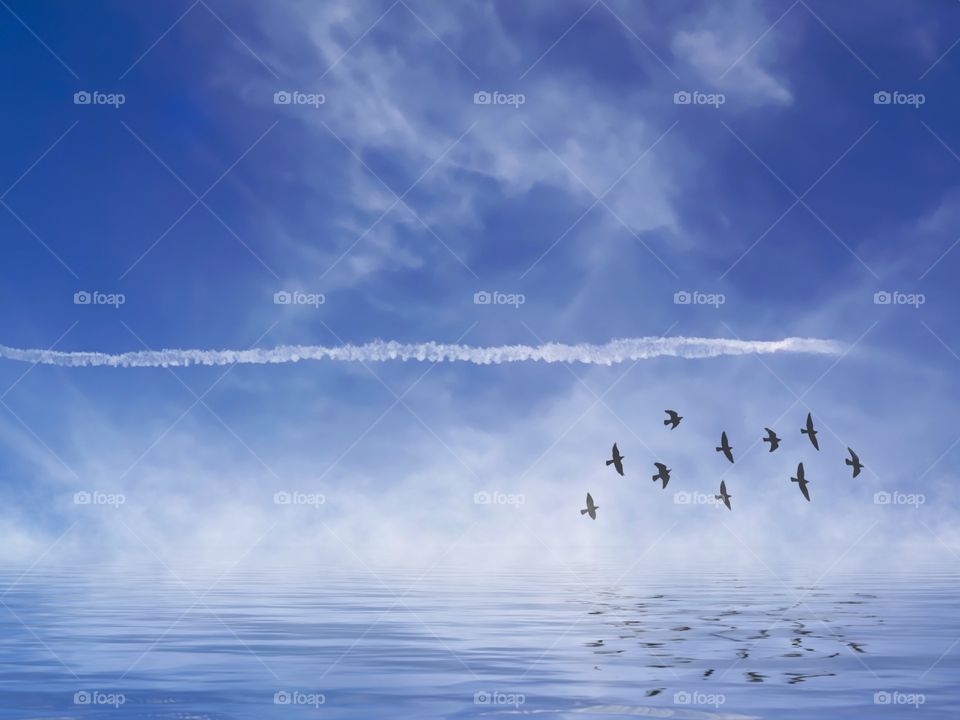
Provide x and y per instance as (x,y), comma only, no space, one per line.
(398,198)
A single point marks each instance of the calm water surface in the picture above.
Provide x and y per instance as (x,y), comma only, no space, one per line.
(455,644)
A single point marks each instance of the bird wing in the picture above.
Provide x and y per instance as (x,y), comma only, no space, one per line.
(813,439)
(806,493)
(615,451)
(854,456)
(723,487)
(728,454)
(809,421)
(800,472)
(726,501)
(589,500)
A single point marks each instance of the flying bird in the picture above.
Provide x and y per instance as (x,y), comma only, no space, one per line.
(801,481)
(673,420)
(724,495)
(810,432)
(591,509)
(772,439)
(854,462)
(617,460)
(663,474)
(725,447)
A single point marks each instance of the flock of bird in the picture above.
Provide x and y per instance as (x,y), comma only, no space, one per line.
(663,472)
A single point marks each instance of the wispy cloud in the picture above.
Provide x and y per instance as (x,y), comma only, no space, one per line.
(615,351)
(727,48)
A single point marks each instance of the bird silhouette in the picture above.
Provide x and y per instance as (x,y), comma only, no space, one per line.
(673,420)
(810,432)
(854,462)
(591,509)
(663,474)
(724,495)
(725,447)
(801,481)
(772,439)
(617,460)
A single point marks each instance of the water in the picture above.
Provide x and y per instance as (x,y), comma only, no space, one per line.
(458,644)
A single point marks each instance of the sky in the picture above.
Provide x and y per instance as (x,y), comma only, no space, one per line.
(488,174)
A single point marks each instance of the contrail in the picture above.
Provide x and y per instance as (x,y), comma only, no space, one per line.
(615,351)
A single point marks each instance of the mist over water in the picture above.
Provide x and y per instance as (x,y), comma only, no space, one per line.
(442,643)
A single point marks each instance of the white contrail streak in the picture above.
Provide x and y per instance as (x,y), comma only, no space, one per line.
(615,351)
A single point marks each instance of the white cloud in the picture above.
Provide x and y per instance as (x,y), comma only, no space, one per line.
(727,50)
(397,93)
(613,352)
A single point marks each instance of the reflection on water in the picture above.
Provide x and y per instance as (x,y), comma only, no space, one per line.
(457,644)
